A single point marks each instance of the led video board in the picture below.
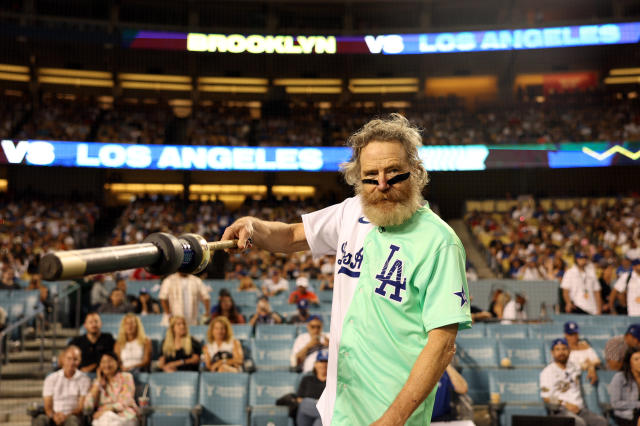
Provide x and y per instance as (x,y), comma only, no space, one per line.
(390,44)
(308,159)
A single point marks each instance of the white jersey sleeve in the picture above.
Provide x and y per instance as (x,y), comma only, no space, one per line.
(322,229)
(621,285)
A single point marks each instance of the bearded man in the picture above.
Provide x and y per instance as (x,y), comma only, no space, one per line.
(400,292)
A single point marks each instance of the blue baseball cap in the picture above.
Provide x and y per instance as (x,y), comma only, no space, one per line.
(323,355)
(635,262)
(315,317)
(143,290)
(303,304)
(580,256)
(571,327)
(634,330)
(559,341)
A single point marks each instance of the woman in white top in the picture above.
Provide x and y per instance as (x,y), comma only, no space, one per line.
(133,346)
(222,353)
(581,353)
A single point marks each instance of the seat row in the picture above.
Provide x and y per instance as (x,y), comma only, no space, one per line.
(517,391)
(602,330)
(185,398)
(511,352)
(19,303)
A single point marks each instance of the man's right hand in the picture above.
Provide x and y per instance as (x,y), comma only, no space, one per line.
(59,418)
(242,230)
(568,308)
(569,406)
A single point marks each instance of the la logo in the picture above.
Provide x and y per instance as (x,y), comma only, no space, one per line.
(392,277)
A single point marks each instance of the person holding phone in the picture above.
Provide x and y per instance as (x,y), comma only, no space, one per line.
(111,396)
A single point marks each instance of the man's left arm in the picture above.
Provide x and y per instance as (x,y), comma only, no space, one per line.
(426,371)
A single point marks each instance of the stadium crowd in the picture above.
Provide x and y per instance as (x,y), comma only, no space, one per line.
(578,117)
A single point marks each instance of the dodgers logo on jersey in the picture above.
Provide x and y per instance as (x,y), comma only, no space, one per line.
(350,263)
(387,278)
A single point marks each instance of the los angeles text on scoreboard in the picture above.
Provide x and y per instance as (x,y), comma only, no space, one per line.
(390,44)
(308,159)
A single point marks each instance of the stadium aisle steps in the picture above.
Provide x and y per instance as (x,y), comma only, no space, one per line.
(22,378)
(473,254)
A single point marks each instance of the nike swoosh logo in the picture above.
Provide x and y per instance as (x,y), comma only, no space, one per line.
(363,220)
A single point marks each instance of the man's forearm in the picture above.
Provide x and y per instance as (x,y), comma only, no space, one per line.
(279,236)
(424,375)
(165,306)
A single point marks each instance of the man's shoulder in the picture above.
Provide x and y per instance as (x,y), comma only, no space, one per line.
(429,223)
(550,370)
(79,340)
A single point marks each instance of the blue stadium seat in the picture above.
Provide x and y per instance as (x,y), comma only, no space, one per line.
(478,381)
(224,398)
(508,331)
(245,298)
(476,352)
(522,353)
(242,331)
(151,320)
(265,387)
(110,319)
(546,331)
(173,396)
(590,394)
(270,415)
(599,331)
(604,379)
(479,329)
(580,319)
(199,332)
(286,332)
(519,390)
(271,354)
(598,346)
(325,296)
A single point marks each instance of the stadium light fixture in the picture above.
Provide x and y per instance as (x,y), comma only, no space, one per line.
(307,82)
(145,85)
(622,80)
(383,89)
(75,81)
(14,77)
(234,81)
(160,78)
(309,90)
(217,88)
(14,68)
(625,71)
(63,72)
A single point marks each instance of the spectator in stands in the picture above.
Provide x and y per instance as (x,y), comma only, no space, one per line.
(227,308)
(180,351)
(499,298)
(303,313)
(246,283)
(449,384)
(3,318)
(623,390)
(617,346)
(116,303)
(180,294)
(264,314)
(99,292)
(64,392)
(514,311)
(633,252)
(145,304)
(581,353)
(629,285)
(561,391)
(302,292)
(554,268)
(111,396)
(94,343)
(581,289)
(35,283)
(531,271)
(309,391)
(121,283)
(275,284)
(326,282)
(8,280)
(303,353)
(222,353)
(132,346)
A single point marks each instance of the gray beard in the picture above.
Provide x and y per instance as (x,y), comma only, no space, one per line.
(390,213)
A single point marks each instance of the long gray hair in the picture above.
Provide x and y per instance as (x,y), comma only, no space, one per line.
(391,129)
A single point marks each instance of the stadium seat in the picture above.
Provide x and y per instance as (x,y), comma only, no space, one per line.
(242,331)
(173,396)
(604,379)
(223,398)
(519,392)
(508,331)
(522,353)
(151,320)
(245,298)
(546,331)
(599,331)
(478,382)
(286,332)
(325,296)
(476,352)
(590,394)
(478,330)
(199,332)
(271,354)
(264,390)
(580,319)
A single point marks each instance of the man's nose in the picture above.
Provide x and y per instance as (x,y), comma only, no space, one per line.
(382,182)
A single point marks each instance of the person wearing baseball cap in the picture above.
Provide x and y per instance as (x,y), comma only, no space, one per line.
(306,345)
(581,289)
(617,346)
(629,284)
(303,313)
(581,353)
(310,389)
(560,388)
(302,292)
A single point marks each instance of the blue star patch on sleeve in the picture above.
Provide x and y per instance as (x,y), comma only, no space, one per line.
(463,297)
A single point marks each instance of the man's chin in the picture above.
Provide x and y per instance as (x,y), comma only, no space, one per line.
(388,213)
